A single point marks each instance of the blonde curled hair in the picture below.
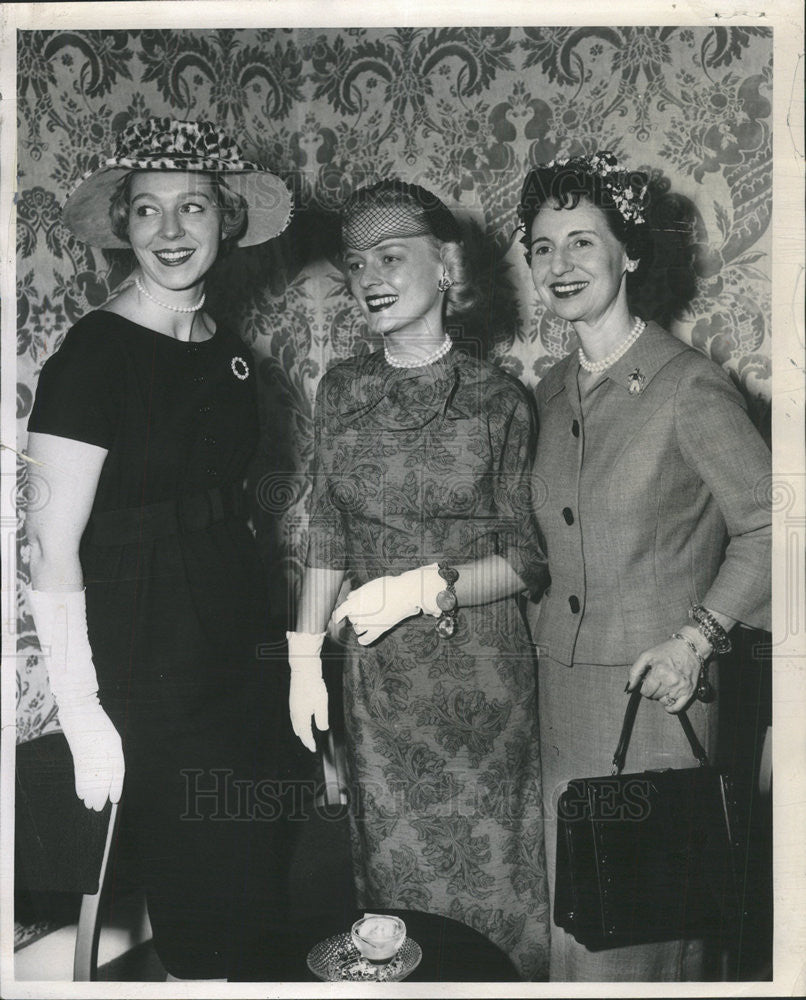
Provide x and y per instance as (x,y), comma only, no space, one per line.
(461,296)
(395,208)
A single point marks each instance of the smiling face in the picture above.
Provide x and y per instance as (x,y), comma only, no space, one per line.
(578,264)
(395,285)
(174,226)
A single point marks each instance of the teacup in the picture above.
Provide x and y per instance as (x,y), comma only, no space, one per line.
(378,937)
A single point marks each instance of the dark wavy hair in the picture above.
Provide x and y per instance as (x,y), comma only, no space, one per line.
(233,207)
(564,186)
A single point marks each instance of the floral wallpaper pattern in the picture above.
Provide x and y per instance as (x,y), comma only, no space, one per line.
(463,111)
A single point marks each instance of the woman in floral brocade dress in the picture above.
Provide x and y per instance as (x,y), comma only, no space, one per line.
(422,458)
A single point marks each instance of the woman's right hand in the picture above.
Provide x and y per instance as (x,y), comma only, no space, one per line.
(307,695)
(97,752)
(668,673)
(95,744)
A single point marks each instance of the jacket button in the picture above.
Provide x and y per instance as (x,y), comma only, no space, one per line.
(575,428)
(568,514)
(573,603)
(198,379)
(205,408)
(209,439)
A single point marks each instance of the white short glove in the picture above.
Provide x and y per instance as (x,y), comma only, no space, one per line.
(61,625)
(381,604)
(307,694)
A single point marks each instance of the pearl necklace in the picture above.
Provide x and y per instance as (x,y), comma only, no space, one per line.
(440,352)
(165,305)
(612,358)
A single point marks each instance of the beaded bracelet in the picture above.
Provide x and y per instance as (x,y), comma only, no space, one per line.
(710,629)
(447,601)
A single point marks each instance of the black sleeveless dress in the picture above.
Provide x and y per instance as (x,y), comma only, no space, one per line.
(188,667)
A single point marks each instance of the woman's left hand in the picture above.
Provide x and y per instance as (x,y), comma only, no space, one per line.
(672,671)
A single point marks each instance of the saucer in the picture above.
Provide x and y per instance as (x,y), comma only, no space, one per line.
(337,959)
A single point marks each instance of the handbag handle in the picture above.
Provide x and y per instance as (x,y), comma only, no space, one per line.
(626,731)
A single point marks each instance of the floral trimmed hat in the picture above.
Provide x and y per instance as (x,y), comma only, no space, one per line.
(628,197)
(171,144)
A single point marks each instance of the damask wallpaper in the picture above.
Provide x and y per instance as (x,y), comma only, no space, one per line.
(463,111)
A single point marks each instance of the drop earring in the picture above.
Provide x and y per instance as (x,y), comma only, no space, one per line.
(632,265)
(444,282)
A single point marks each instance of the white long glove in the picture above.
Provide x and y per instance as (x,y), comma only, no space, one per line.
(307,694)
(61,625)
(379,605)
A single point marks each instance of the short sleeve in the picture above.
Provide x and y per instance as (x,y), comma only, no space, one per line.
(327,532)
(77,392)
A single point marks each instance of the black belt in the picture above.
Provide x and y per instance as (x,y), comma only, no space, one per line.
(192,512)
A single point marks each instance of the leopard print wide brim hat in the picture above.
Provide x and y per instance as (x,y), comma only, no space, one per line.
(169,144)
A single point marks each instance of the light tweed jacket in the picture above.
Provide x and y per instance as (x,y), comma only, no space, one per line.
(652,495)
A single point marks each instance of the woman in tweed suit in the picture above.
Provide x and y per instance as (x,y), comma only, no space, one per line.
(650,477)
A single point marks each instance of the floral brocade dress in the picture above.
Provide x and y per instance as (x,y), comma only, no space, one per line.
(413,466)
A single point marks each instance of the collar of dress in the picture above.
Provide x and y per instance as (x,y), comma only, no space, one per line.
(402,398)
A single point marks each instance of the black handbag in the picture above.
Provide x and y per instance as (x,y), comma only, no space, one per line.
(649,856)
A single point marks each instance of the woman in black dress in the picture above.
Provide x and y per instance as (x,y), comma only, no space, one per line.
(143,567)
